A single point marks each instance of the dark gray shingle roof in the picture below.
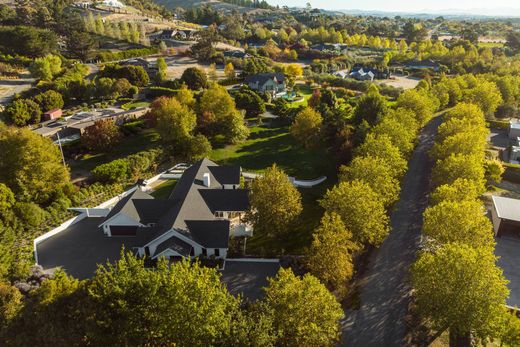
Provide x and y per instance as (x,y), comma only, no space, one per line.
(127,206)
(261,78)
(175,244)
(226,199)
(209,234)
(226,174)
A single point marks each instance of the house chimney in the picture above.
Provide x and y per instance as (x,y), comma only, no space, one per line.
(207,180)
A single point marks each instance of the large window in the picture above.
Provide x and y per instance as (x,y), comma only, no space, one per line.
(217,252)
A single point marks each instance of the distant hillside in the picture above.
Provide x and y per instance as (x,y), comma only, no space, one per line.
(172,4)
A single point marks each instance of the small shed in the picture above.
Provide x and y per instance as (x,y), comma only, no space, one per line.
(505,214)
(52,114)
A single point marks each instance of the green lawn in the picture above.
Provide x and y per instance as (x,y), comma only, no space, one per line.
(146,139)
(490,45)
(268,145)
(164,190)
(265,146)
(131,105)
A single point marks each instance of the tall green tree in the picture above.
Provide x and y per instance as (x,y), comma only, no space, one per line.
(307,127)
(375,172)
(275,203)
(460,288)
(462,222)
(422,104)
(304,312)
(381,146)
(225,120)
(330,254)
(175,121)
(30,165)
(161,70)
(361,209)
(371,107)
(183,304)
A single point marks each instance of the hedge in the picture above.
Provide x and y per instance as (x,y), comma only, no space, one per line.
(511,173)
(155,92)
(130,53)
(498,124)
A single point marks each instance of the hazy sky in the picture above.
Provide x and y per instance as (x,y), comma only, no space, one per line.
(403,5)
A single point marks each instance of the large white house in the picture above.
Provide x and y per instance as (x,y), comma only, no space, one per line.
(268,82)
(205,208)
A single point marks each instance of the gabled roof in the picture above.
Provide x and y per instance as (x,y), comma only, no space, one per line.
(507,208)
(226,174)
(209,234)
(175,244)
(226,199)
(191,201)
(262,78)
(190,189)
(127,206)
(424,62)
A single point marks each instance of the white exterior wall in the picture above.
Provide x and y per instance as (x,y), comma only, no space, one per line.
(152,245)
(167,253)
(222,251)
(118,219)
(231,186)
(496,220)
(514,133)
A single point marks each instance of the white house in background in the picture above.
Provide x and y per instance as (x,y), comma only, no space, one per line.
(505,214)
(204,210)
(341,74)
(113,3)
(268,82)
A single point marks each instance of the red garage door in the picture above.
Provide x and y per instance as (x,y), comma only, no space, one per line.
(123,230)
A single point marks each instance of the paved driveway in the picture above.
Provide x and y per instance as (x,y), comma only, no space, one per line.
(508,249)
(248,277)
(10,87)
(385,289)
(80,248)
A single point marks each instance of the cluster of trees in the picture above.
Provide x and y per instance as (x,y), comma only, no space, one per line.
(113,308)
(64,85)
(33,183)
(136,75)
(27,41)
(130,168)
(122,30)
(356,209)
(22,111)
(492,93)
(458,285)
(187,124)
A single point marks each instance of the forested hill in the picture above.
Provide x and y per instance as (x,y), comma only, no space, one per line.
(225,4)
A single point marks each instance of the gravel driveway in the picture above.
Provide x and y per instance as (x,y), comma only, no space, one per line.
(385,289)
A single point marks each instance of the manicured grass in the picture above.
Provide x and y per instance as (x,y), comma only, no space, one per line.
(490,45)
(136,104)
(147,139)
(268,145)
(164,190)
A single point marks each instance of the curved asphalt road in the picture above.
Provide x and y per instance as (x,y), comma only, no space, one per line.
(385,290)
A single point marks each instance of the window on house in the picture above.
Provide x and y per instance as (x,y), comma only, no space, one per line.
(192,252)
(217,252)
(204,252)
